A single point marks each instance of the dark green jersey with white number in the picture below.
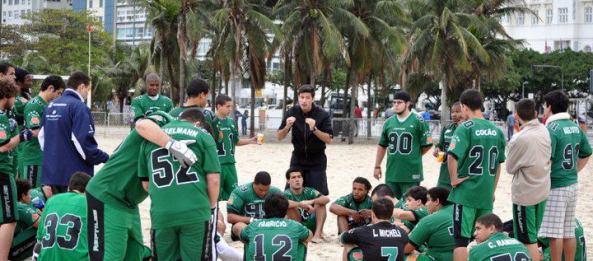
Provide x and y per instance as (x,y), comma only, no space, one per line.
(306,194)
(478,146)
(435,231)
(244,202)
(499,247)
(117,183)
(6,166)
(569,143)
(443,145)
(31,153)
(62,228)
(404,141)
(274,239)
(168,181)
(144,103)
(227,139)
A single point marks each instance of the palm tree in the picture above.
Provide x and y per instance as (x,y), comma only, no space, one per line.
(243,27)
(441,45)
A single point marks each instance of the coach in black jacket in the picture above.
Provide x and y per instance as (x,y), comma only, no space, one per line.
(311,130)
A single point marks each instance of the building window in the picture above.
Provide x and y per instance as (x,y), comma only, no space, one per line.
(9,2)
(561,45)
(9,13)
(100,3)
(563,15)
(549,16)
(521,19)
(508,18)
(588,14)
(587,48)
(534,17)
(16,2)
(90,4)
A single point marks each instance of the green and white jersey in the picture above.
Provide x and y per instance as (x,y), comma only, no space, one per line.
(306,194)
(168,180)
(144,103)
(117,182)
(274,239)
(228,137)
(6,133)
(443,145)
(499,247)
(31,153)
(244,202)
(19,109)
(404,141)
(25,213)
(62,228)
(349,202)
(435,231)
(419,213)
(478,146)
(569,144)
(581,251)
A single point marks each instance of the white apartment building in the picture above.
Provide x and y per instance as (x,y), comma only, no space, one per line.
(14,10)
(555,25)
(131,26)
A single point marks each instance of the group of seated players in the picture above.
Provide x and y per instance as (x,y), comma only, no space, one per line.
(275,224)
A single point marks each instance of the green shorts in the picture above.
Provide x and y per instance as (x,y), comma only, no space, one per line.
(184,242)
(31,173)
(228,181)
(464,220)
(114,233)
(527,221)
(8,199)
(400,188)
(22,244)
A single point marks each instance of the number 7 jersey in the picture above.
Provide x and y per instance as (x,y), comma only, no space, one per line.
(404,141)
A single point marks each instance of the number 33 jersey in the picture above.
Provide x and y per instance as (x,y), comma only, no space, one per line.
(274,239)
(404,140)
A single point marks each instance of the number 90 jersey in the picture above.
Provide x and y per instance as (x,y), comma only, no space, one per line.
(569,143)
(62,228)
(478,145)
(274,239)
(404,140)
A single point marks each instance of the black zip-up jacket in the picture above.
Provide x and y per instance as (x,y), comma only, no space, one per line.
(303,140)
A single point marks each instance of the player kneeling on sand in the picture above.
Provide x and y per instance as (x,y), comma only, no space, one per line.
(354,209)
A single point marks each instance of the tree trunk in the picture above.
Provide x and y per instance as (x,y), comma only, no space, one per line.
(287,70)
(213,89)
(369,105)
(324,87)
(444,105)
(353,124)
(252,119)
(182,51)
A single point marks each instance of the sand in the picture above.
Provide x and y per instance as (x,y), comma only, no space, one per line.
(345,162)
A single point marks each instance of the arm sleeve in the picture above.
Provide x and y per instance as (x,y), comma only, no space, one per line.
(83,136)
(517,150)
(384,139)
(142,162)
(342,201)
(420,234)
(32,116)
(441,144)
(211,163)
(136,108)
(245,235)
(169,106)
(4,132)
(425,134)
(326,124)
(459,142)
(235,134)
(303,232)
(235,203)
(585,147)
(349,237)
(502,145)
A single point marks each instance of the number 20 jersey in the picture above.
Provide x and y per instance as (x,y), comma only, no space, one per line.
(404,140)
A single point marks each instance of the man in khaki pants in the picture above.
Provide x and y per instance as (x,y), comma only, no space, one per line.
(528,159)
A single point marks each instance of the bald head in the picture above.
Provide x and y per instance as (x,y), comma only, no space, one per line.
(152,82)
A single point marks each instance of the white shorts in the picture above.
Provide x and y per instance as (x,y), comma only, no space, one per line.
(559,215)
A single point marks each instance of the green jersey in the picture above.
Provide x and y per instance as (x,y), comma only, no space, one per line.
(209,115)
(274,239)
(404,140)
(228,137)
(349,202)
(419,213)
(569,144)
(6,166)
(306,194)
(443,145)
(244,202)
(31,153)
(117,183)
(499,247)
(436,233)
(26,220)
(144,103)
(478,146)
(62,228)
(168,180)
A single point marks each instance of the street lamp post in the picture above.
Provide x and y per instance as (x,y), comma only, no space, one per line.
(523,89)
(89,29)
(533,66)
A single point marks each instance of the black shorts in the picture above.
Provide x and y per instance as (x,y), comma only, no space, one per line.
(8,199)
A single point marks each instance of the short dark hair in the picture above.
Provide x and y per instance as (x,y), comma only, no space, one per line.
(307,88)
(22,188)
(440,193)
(557,100)
(471,98)
(4,67)
(78,181)
(525,109)
(383,190)
(490,220)
(196,115)
(222,99)
(291,170)
(262,178)
(77,78)
(402,95)
(417,193)
(383,208)
(365,182)
(275,205)
(20,74)
(56,81)
(7,89)
(457,103)
(197,87)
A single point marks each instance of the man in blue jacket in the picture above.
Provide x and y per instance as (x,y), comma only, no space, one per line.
(67,136)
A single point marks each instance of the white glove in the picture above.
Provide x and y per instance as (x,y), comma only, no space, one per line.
(181,152)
